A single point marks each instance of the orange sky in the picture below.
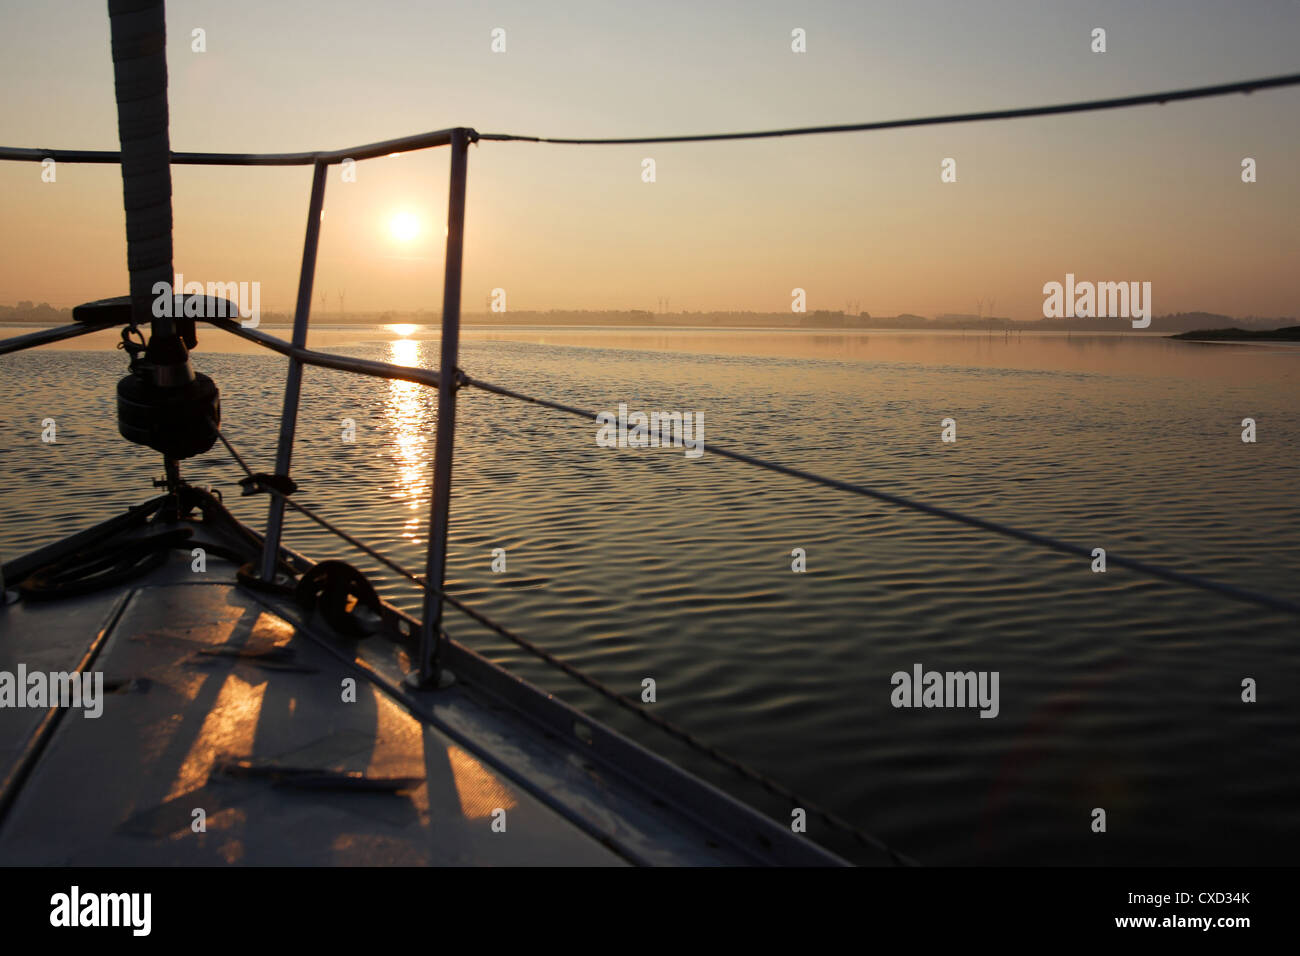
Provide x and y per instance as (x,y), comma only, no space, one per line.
(1150,194)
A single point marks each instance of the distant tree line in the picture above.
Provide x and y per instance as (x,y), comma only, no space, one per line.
(28,313)
(43,314)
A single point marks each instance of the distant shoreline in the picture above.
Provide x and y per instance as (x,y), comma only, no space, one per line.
(419,329)
(1220,327)
(1288,334)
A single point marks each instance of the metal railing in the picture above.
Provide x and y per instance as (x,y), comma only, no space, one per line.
(446,380)
(449,379)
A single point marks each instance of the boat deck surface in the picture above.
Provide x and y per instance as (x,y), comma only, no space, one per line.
(226,701)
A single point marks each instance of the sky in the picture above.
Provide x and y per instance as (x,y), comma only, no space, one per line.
(1148,194)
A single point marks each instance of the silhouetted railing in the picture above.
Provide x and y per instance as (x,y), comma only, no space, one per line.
(449,379)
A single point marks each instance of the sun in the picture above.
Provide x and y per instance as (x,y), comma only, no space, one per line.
(404,226)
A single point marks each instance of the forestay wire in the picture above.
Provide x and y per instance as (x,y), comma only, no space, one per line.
(1083,106)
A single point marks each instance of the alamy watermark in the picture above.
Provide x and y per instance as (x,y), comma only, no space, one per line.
(215,301)
(948,689)
(651,430)
(38,689)
(75,908)
(1101,300)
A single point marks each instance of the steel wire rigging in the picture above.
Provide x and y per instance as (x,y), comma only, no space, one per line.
(457,379)
(675,731)
(440,137)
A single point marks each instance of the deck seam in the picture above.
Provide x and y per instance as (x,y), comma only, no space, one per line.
(53,719)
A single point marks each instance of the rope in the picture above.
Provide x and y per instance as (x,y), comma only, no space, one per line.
(1200,92)
(767,783)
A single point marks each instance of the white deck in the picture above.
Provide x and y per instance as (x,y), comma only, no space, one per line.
(123,788)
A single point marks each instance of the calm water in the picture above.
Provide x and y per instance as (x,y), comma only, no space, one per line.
(1115,692)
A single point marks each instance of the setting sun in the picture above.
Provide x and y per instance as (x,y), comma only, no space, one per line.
(404,226)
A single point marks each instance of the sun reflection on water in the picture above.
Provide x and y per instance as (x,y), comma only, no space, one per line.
(409,413)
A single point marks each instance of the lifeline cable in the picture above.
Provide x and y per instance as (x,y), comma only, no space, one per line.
(673,730)
(1042,540)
